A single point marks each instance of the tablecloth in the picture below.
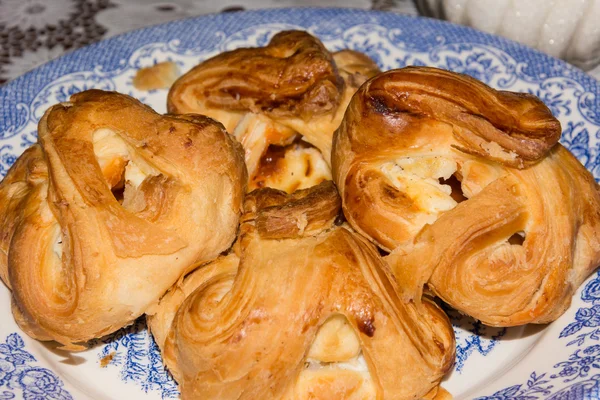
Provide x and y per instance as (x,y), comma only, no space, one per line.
(33,32)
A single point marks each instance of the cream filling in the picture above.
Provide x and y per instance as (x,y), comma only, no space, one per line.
(357,364)
(256,132)
(300,168)
(109,147)
(418,177)
(335,365)
(336,347)
(58,247)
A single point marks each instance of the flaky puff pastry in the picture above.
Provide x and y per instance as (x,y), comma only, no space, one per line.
(521,237)
(291,314)
(80,262)
(294,81)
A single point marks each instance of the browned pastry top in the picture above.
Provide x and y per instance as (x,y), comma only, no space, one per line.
(294,75)
(111,194)
(469,189)
(308,296)
(515,129)
(294,81)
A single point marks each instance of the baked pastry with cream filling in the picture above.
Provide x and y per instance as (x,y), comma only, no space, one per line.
(109,209)
(301,309)
(470,191)
(291,89)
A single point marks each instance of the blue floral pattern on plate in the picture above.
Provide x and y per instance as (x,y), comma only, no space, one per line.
(135,353)
(20,379)
(393,41)
(580,373)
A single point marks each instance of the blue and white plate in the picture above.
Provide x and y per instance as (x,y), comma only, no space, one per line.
(559,361)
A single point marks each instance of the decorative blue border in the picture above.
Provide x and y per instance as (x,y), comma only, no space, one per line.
(578,377)
(20,379)
(472,337)
(206,33)
(135,353)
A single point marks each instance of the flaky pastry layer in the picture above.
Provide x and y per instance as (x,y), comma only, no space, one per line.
(294,80)
(293,310)
(470,191)
(109,209)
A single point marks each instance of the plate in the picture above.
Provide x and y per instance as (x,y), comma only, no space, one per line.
(558,361)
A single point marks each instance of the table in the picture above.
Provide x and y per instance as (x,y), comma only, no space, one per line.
(33,32)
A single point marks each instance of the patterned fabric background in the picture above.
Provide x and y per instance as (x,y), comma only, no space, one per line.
(33,32)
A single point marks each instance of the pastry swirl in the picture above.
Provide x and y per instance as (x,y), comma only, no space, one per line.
(84,260)
(515,235)
(299,295)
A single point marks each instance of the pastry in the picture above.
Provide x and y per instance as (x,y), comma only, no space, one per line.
(273,95)
(109,209)
(281,162)
(158,76)
(469,190)
(303,308)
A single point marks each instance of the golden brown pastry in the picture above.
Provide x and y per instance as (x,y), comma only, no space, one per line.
(158,76)
(303,309)
(469,189)
(109,209)
(270,95)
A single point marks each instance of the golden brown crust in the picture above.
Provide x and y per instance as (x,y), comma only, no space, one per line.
(285,290)
(293,80)
(354,67)
(408,133)
(515,129)
(294,75)
(222,270)
(25,175)
(80,262)
(158,76)
(278,215)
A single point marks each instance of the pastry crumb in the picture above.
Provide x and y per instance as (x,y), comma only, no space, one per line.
(158,76)
(104,361)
